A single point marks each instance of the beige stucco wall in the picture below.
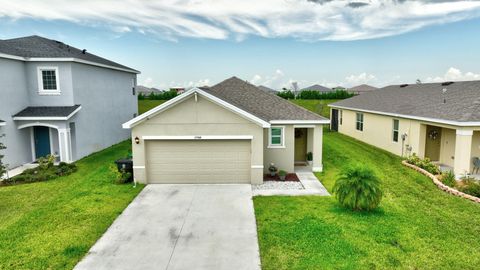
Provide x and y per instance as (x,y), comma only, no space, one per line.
(197,118)
(456,150)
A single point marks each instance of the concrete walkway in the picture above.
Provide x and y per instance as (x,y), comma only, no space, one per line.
(18,170)
(181,227)
(309,181)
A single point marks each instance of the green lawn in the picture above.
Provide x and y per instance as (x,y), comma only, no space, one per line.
(145,105)
(51,225)
(317,106)
(417,225)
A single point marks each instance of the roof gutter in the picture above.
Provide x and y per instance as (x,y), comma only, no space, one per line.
(65,59)
(427,119)
(303,122)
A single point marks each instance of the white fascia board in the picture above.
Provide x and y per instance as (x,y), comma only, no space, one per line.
(300,122)
(199,137)
(420,118)
(47,118)
(190,92)
(13,57)
(77,60)
(64,59)
(3,124)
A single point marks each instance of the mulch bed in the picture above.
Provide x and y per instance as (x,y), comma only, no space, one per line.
(290,177)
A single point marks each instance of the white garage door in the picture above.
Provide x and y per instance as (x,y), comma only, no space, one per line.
(191,162)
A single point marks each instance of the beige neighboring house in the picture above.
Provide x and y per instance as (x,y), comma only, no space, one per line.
(228,133)
(440,121)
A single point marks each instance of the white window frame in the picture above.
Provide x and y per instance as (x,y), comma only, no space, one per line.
(340,112)
(397,130)
(282,137)
(357,121)
(41,90)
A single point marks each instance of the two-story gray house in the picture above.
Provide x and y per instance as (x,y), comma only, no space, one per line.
(60,100)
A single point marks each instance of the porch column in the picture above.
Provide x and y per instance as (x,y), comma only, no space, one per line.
(65,145)
(463,151)
(317,148)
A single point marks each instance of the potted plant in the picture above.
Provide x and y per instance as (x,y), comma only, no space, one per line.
(272,169)
(309,158)
(282,174)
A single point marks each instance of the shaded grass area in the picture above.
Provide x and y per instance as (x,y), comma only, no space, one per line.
(52,224)
(416,227)
(316,106)
(146,105)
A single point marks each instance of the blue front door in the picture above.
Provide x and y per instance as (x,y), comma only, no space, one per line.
(41,136)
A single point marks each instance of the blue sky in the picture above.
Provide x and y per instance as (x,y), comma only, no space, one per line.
(431,42)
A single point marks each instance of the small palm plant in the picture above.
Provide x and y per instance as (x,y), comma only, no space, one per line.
(358,188)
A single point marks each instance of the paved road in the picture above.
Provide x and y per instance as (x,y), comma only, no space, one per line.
(181,227)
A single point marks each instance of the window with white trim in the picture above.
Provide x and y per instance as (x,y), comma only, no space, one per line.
(48,83)
(341,117)
(276,137)
(359,123)
(395,128)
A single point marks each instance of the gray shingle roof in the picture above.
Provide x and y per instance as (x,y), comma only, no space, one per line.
(35,46)
(47,111)
(267,89)
(462,101)
(266,106)
(362,88)
(317,87)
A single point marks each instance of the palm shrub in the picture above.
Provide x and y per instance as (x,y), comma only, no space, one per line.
(358,188)
(448,178)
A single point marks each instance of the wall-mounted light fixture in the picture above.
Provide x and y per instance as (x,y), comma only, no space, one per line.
(137,140)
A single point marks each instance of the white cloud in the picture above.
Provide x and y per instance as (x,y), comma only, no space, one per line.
(214,19)
(362,78)
(454,74)
(277,80)
(148,82)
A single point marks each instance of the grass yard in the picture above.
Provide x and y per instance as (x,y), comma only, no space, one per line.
(146,105)
(51,225)
(315,105)
(417,225)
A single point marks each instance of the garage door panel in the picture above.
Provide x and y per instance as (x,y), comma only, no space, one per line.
(217,161)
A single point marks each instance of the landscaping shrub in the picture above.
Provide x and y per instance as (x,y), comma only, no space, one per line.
(340,94)
(44,172)
(358,188)
(121,177)
(425,164)
(448,178)
(469,186)
(158,96)
(286,94)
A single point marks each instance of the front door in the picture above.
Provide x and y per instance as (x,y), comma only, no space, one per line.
(41,136)
(334,124)
(432,143)
(300,144)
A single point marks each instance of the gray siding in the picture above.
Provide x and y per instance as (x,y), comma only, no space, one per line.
(14,98)
(107,102)
(105,95)
(65,80)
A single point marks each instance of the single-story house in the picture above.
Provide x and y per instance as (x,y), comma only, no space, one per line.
(228,133)
(361,89)
(440,121)
(318,88)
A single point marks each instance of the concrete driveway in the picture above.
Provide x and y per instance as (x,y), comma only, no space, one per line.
(181,227)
